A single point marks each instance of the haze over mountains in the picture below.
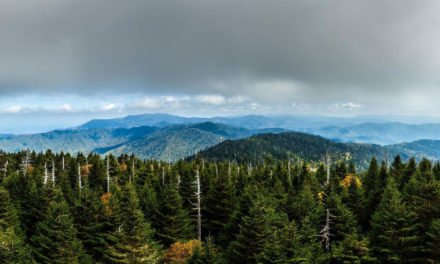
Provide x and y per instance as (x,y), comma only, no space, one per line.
(170,138)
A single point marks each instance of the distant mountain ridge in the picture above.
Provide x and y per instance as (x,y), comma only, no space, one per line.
(168,143)
(355,130)
(381,133)
(169,138)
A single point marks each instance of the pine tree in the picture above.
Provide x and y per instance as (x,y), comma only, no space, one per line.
(93,224)
(423,198)
(393,235)
(255,228)
(409,171)
(374,183)
(217,206)
(433,241)
(12,246)
(397,168)
(55,238)
(133,241)
(171,220)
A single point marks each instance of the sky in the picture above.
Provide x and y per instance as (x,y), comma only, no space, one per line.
(65,62)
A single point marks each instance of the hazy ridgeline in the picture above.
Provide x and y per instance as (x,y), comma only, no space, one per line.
(62,208)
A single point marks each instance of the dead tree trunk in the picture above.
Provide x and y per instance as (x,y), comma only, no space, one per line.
(108,173)
(53,172)
(5,168)
(25,163)
(79,178)
(46,174)
(326,231)
(328,169)
(198,208)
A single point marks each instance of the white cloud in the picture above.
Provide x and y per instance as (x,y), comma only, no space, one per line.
(148,103)
(347,106)
(65,108)
(213,99)
(13,109)
(108,107)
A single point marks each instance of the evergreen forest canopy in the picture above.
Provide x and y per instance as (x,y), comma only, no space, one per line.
(62,208)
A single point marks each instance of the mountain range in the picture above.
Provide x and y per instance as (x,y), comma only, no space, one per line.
(170,138)
(374,130)
(168,143)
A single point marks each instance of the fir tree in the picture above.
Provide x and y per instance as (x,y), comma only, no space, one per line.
(12,246)
(393,229)
(55,238)
(133,242)
(171,220)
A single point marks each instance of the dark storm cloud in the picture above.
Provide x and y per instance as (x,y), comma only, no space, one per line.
(311,51)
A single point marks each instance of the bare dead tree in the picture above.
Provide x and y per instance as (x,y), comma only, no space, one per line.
(5,168)
(62,163)
(179,180)
(216,170)
(25,162)
(108,173)
(53,172)
(197,207)
(325,233)
(328,169)
(326,230)
(46,174)
(79,178)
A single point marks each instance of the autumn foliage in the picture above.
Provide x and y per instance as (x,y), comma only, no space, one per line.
(180,252)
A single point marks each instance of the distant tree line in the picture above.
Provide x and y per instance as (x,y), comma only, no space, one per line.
(63,208)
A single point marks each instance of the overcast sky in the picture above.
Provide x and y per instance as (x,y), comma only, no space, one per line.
(63,62)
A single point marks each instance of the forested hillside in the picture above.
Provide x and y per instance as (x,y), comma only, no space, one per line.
(293,145)
(62,208)
(168,143)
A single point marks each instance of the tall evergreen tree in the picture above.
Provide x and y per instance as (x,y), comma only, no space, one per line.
(393,234)
(171,220)
(55,238)
(133,242)
(12,246)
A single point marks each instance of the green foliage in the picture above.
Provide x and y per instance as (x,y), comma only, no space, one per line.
(12,246)
(55,238)
(271,211)
(171,220)
(393,236)
(132,237)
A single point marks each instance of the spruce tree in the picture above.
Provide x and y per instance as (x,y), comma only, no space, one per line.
(133,242)
(255,229)
(93,224)
(12,246)
(393,235)
(217,206)
(55,238)
(171,220)
(433,241)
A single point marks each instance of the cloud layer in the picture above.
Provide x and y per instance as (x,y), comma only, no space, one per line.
(378,56)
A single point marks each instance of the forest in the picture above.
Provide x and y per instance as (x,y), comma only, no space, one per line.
(75,208)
